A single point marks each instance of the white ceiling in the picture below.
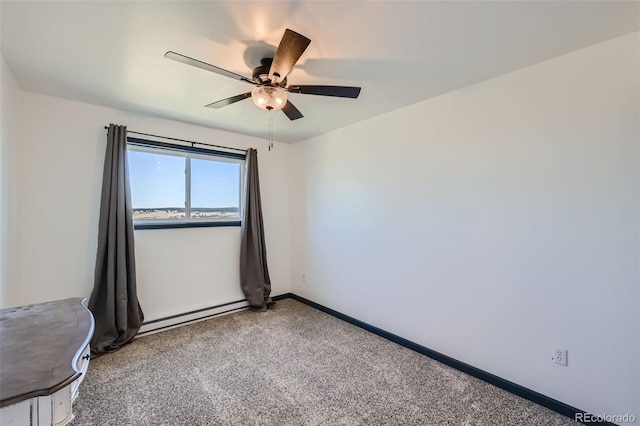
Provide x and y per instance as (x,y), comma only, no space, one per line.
(111,53)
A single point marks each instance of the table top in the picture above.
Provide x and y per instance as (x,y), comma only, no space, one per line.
(39,346)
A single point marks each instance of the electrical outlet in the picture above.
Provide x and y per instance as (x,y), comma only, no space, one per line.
(559,356)
(304,278)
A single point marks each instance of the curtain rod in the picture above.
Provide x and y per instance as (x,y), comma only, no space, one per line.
(184,140)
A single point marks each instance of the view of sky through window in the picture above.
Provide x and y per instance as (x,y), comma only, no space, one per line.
(214,183)
(158,183)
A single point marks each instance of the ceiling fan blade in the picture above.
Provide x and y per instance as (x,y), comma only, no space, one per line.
(291,47)
(229,101)
(205,66)
(291,111)
(339,91)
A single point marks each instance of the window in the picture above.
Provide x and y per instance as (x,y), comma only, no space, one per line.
(181,186)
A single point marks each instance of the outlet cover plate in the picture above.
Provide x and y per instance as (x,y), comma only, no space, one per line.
(559,356)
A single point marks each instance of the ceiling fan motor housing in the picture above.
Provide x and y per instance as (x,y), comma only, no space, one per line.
(261,73)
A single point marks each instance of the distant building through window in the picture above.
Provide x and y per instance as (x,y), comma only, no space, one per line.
(175,186)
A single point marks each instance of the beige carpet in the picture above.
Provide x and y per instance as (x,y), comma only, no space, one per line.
(292,365)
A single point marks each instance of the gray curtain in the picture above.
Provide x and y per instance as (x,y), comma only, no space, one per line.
(254,273)
(114,300)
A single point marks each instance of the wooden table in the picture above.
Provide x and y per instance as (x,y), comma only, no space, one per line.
(44,353)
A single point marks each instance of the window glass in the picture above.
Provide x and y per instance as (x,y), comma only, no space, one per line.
(181,188)
(215,189)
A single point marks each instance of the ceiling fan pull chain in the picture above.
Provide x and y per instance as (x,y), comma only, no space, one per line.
(270,132)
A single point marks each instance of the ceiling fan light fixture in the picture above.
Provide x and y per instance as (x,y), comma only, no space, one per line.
(270,77)
(269,97)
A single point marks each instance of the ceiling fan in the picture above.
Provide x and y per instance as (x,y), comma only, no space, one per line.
(270,78)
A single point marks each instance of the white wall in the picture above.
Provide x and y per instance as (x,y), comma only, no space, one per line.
(490,224)
(9,135)
(59,173)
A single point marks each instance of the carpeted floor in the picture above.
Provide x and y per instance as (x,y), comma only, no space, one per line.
(293,365)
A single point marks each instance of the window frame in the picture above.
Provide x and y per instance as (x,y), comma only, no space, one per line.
(189,153)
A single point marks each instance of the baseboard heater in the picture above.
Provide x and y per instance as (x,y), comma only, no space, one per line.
(172,321)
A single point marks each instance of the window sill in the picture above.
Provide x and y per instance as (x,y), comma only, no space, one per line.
(166,225)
